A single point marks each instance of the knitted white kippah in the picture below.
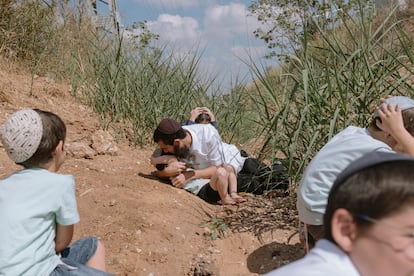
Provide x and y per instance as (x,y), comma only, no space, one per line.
(21,134)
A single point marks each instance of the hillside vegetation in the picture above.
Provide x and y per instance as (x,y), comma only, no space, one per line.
(331,80)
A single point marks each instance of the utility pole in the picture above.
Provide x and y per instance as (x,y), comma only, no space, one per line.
(109,21)
(114,13)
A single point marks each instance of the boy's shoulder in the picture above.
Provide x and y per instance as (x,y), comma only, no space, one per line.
(57,176)
(32,182)
(350,133)
(38,174)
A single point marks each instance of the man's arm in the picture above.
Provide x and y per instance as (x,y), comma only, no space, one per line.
(167,164)
(64,234)
(180,180)
(172,169)
(163,159)
(158,157)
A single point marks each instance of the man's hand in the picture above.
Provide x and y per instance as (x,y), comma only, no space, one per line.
(180,180)
(175,168)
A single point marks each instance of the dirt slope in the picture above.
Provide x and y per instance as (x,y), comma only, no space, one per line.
(148,228)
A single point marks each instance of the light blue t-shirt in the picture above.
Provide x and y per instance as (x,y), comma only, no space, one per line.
(32,201)
(344,148)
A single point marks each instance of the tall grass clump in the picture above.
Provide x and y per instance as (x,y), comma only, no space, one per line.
(135,88)
(28,30)
(333,80)
(128,82)
(37,34)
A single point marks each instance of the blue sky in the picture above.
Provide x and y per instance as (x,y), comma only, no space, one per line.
(221,29)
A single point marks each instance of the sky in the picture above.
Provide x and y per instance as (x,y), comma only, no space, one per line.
(220,30)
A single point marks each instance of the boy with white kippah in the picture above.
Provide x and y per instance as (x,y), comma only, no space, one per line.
(38,207)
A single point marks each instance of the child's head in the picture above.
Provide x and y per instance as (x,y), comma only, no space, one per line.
(203,118)
(30,136)
(371,208)
(407,111)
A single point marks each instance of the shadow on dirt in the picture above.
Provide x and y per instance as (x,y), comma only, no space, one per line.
(272,256)
(152,176)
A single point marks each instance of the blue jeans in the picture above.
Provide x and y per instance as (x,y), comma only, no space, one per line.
(77,255)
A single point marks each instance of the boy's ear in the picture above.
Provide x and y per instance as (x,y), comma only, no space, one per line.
(59,147)
(344,229)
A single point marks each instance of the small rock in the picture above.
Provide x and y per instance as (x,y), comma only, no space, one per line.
(203,266)
(80,150)
(104,143)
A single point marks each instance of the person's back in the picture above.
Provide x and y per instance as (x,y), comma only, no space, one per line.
(31,202)
(345,147)
(210,150)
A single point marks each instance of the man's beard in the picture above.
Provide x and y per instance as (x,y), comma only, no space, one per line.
(181,152)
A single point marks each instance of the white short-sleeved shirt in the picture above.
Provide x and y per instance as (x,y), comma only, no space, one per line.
(32,201)
(324,259)
(344,148)
(209,150)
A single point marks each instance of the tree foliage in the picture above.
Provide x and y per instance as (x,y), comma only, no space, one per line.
(285,22)
(142,35)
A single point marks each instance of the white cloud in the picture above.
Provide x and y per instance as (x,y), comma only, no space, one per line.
(176,30)
(229,20)
(168,4)
(229,30)
(226,35)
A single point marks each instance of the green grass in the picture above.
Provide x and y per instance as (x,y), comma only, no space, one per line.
(334,80)
(141,88)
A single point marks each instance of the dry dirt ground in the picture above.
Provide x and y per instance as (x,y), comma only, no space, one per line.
(147,227)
